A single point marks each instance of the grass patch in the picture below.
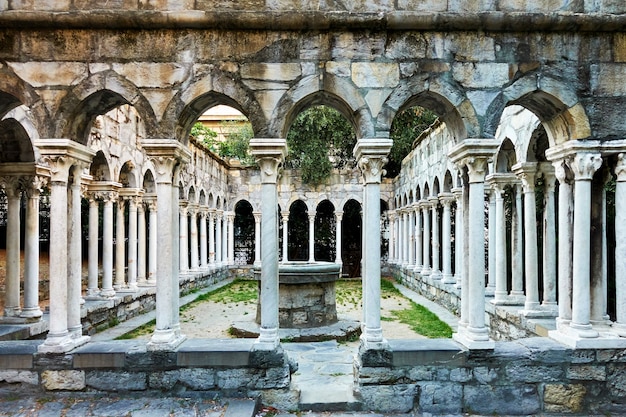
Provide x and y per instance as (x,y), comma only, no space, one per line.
(143,330)
(423,321)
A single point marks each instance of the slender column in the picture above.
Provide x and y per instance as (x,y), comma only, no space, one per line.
(501,292)
(285,219)
(446,201)
(371,157)
(203,243)
(257,238)
(426,239)
(193,211)
(142,255)
(583,166)
(183,245)
(311,237)
(224,239)
(549,245)
(120,247)
(12,283)
(566,216)
(92,271)
(458,236)
(153,248)
(212,237)
(406,239)
(31,308)
(598,257)
(392,237)
(132,243)
(231,237)
(401,237)
(338,219)
(491,269)
(620,245)
(419,263)
(74,279)
(269,154)
(517,265)
(398,238)
(107,245)
(410,232)
(166,155)
(434,202)
(218,237)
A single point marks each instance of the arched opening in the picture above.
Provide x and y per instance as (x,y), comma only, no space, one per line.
(325,232)
(244,233)
(298,237)
(352,243)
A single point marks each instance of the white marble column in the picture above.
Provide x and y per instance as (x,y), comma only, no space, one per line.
(132,243)
(598,256)
(203,240)
(74,255)
(501,292)
(564,255)
(436,245)
(425,206)
(107,245)
(153,252)
(338,220)
(184,239)
(583,165)
(410,233)
(31,309)
(224,239)
(419,263)
(371,156)
(218,237)
(458,236)
(491,265)
(166,155)
(212,237)
(120,247)
(401,237)
(406,238)
(311,237)
(517,263)
(549,244)
(142,255)
(398,238)
(92,272)
(12,282)
(620,246)
(193,235)
(231,237)
(269,154)
(257,238)
(446,229)
(285,219)
(392,237)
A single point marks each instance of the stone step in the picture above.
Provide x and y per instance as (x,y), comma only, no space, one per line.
(328,398)
(242,408)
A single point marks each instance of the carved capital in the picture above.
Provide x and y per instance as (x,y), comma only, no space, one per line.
(371,167)
(584,165)
(269,167)
(476,168)
(620,167)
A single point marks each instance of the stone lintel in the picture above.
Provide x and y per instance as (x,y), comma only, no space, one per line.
(215,353)
(502,179)
(269,148)
(64,147)
(130,192)
(166,148)
(473,148)
(23,169)
(18,354)
(572,147)
(372,147)
(427,352)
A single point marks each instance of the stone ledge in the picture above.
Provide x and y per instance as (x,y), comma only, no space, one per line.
(427,352)
(18,354)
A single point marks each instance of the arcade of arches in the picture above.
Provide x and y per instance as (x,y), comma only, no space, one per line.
(508,210)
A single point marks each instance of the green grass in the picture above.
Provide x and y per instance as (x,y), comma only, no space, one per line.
(423,321)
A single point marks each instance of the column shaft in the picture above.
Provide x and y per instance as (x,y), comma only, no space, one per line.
(31,308)
(92,271)
(120,247)
(12,284)
(142,254)
(132,244)
(107,248)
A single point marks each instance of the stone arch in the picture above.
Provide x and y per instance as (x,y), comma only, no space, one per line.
(100,168)
(325,231)
(426,192)
(435,189)
(505,157)
(98,95)
(191,195)
(24,118)
(127,176)
(448,182)
(15,92)
(444,98)
(148,183)
(335,92)
(244,232)
(351,233)
(555,103)
(418,195)
(202,198)
(211,201)
(209,91)
(15,142)
(236,202)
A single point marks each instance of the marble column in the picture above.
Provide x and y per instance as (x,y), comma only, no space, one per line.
(193,237)
(92,271)
(257,238)
(392,237)
(338,219)
(491,221)
(132,242)
(218,237)
(231,237)
(184,239)
(517,264)
(224,239)
(153,252)
(410,232)
(436,245)
(12,188)
(620,245)
(419,263)
(583,165)
(406,238)
(74,255)
(311,237)
(142,254)
(458,236)
(401,237)
(426,238)
(598,256)
(564,255)
(526,173)
(107,245)
(549,244)
(212,237)
(269,154)
(446,226)
(371,156)
(398,238)
(501,292)
(166,155)
(120,247)
(203,240)
(31,309)
(285,219)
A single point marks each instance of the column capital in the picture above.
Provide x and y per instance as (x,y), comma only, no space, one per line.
(526,172)
(269,154)
(424,204)
(433,201)
(165,155)
(230,215)
(59,155)
(284,215)
(312,216)
(620,167)
(371,155)
(446,198)
(339,214)
(584,165)
(257,216)
(474,153)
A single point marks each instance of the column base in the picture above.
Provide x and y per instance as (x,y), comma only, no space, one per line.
(268,339)
(375,354)
(92,292)
(12,311)
(165,340)
(448,279)
(474,340)
(578,338)
(61,343)
(107,293)
(31,313)
(619,329)
(490,291)
(436,275)
(425,272)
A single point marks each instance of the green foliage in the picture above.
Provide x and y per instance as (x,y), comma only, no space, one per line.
(237,143)
(406,127)
(423,321)
(319,140)
(205,135)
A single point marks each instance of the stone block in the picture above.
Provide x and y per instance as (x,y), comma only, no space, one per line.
(460,375)
(198,379)
(400,398)
(501,400)
(40,74)
(63,380)
(426,352)
(481,74)
(116,380)
(586,372)
(218,353)
(406,46)
(564,398)
(522,371)
(375,75)
(380,375)
(485,375)
(271,72)
(606,79)
(440,398)
(17,377)
(616,380)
